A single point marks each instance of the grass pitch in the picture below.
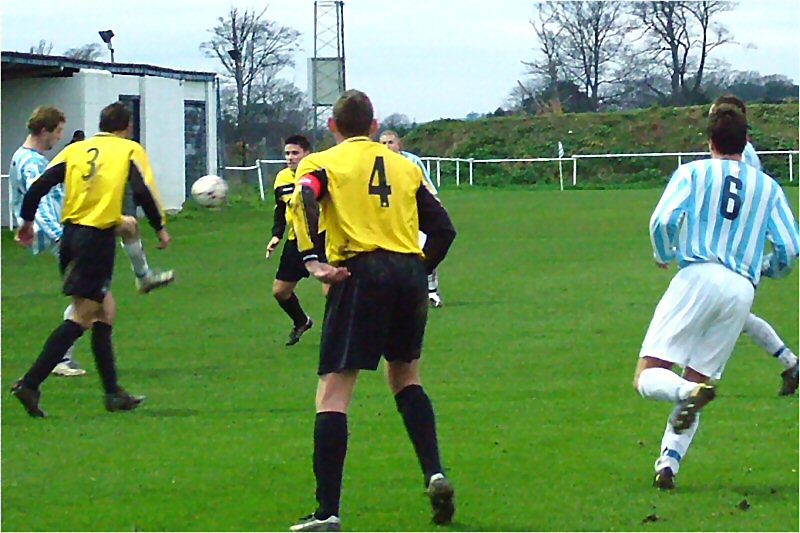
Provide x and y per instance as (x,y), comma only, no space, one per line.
(529,364)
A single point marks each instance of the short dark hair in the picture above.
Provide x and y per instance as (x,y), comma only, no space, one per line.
(45,118)
(77,135)
(727,129)
(353,113)
(300,141)
(732,99)
(115,117)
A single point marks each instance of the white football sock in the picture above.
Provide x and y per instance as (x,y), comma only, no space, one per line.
(433,282)
(763,334)
(664,385)
(68,356)
(675,445)
(787,358)
(135,252)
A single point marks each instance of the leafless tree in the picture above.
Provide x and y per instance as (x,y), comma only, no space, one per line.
(248,45)
(680,37)
(547,68)
(42,47)
(87,52)
(583,42)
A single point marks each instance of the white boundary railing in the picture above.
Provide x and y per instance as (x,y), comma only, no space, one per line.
(435,163)
(257,168)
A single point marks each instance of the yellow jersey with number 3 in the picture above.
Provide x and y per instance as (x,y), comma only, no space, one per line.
(368,200)
(96,175)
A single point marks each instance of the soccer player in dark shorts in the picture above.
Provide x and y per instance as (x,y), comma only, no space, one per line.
(95,173)
(291,268)
(373,203)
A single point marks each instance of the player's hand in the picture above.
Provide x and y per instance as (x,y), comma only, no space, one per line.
(273,243)
(662,266)
(327,273)
(163,239)
(24,234)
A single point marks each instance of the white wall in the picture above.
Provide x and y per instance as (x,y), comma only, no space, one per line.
(162,136)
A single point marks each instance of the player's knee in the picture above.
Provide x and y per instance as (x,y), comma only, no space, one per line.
(128,228)
(282,291)
(401,375)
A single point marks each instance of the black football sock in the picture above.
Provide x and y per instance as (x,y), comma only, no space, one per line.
(104,356)
(291,306)
(53,351)
(417,411)
(330,448)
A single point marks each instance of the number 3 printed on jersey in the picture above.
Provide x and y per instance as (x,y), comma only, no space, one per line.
(92,153)
(731,202)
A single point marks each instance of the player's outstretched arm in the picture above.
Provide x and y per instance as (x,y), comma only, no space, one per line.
(783,234)
(435,222)
(49,179)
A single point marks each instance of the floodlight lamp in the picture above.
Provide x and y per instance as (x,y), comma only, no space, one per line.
(235,54)
(106,35)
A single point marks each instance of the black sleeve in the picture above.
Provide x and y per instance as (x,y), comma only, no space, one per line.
(49,179)
(279,220)
(279,214)
(436,224)
(144,198)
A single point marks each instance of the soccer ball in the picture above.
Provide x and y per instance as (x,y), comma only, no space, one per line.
(210,191)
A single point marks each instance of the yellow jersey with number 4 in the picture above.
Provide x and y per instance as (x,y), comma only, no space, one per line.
(368,200)
(95,178)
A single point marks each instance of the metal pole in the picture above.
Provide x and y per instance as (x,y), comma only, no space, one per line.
(438,173)
(680,161)
(458,173)
(574,171)
(313,88)
(791,167)
(260,179)
(341,40)
(470,172)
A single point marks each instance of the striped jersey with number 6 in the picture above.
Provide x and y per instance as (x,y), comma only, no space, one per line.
(723,211)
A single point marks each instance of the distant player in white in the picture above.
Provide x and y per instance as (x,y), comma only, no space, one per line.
(392,141)
(714,218)
(756,327)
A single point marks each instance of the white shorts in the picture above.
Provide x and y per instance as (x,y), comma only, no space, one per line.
(699,318)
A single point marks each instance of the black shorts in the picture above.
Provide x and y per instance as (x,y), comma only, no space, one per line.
(86,261)
(380,310)
(291,267)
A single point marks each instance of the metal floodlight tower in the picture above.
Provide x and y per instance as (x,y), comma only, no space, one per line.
(326,69)
(106,35)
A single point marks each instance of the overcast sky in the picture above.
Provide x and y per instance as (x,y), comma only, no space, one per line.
(424,58)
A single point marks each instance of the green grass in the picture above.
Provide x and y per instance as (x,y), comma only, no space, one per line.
(529,364)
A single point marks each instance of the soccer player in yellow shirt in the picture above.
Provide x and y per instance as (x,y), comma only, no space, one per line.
(95,173)
(291,268)
(374,203)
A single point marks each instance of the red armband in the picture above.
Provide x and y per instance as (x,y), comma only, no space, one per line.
(310,180)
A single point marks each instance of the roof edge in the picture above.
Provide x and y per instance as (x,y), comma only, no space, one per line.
(131,69)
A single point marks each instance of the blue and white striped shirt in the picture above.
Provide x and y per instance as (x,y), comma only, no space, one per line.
(417,161)
(26,166)
(723,211)
(750,156)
